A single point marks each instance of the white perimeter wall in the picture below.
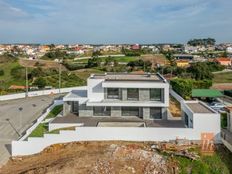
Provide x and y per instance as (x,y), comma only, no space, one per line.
(36,145)
(39,93)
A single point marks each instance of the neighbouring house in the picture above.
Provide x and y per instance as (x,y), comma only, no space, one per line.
(224,61)
(227,133)
(145,96)
(135,47)
(182,63)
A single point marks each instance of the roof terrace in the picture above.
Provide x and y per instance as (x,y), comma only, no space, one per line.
(128,77)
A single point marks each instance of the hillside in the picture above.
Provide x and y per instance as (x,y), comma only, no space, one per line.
(119,158)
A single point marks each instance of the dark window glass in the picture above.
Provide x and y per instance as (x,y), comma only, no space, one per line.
(101,111)
(155,113)
(133,94)
(155,94)
(130,111)
(112,93)
(75,107)
(186,120)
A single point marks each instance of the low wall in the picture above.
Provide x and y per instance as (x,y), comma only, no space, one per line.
(40,119)
(36,145)
(54,126)
(39,93)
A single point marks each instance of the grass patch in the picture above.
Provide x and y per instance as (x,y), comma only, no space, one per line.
(223,77)
(55,111)
(40,130)
(57,131)
(219,163)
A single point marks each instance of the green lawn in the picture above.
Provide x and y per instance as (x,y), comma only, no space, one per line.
(223,78)
(55,111)
(39,130)
(42,128)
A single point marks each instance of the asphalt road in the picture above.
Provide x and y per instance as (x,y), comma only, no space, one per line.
(16,116)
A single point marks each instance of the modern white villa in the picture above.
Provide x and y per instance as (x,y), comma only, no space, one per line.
(144,96)
(127,107)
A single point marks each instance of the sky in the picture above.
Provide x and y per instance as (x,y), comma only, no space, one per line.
(114,21)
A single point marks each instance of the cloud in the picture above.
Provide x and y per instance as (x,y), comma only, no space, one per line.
(110,21)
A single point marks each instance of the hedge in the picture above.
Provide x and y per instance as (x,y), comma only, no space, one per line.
(184,86)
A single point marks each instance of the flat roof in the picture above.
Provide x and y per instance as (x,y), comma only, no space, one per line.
(206,93)
(199,108)
(128,77)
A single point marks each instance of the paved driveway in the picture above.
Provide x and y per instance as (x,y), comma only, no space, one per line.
(13,122)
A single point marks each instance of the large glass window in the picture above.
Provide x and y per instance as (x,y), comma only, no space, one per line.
(112,93)
(155,113)
(101,111)
(130,111)
(132,94)
(156,94)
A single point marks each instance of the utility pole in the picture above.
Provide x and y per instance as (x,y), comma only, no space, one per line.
(59,76)
(26,83)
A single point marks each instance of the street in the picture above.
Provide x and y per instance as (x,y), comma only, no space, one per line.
(16,116)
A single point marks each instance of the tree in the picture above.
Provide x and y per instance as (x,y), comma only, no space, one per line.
(200,71)
(40,82)
(1,72)
(205,42)
(93,62)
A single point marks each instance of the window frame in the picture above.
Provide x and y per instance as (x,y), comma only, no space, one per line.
(133,98)
(123,109)
(154,98)
(102,113)
(152,117)
(112,96)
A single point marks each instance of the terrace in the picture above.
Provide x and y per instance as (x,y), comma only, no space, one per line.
(117,122)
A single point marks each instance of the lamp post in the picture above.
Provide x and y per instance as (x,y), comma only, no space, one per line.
(26,83)
(20,117)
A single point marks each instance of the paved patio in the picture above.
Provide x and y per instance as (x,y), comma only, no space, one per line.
(93,121)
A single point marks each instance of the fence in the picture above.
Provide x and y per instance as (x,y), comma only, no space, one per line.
(40,119)
(39,93)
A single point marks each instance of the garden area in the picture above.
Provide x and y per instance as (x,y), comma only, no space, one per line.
(42,128)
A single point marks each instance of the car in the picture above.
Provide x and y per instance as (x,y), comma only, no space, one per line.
(217,106)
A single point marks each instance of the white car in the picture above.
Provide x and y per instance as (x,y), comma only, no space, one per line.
(217,106)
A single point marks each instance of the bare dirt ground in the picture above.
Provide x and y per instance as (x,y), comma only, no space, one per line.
(222,86)
(42,63)
(174,107)
(92,158)
(155,59)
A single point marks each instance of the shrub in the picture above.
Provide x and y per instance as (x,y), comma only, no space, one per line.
(184,86)
(1,72)
(18,72)
(40,82)
(228,93)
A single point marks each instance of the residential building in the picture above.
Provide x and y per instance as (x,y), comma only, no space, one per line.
(182,63)
(135,47)
(224,61)
(145,96)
